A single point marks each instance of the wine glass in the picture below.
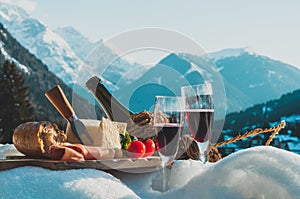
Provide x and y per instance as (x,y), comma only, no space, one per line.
(199,114)
(168,123)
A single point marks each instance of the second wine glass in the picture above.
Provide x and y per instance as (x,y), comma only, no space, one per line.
(199,114)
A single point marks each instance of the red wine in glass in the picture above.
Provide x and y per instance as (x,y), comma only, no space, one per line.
(200,123)
(168,124)
(199,114)
(168,136)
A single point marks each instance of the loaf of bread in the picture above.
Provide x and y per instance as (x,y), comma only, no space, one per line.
(35,138)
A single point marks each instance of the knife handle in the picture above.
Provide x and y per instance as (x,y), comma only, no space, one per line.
(59,100)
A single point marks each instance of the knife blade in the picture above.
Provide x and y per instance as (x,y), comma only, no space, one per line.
(59,100)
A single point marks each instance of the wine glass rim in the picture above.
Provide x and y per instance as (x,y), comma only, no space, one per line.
(165,96)
(207,88)
(195,85)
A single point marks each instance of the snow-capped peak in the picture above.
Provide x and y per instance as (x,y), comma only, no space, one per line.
(46,45)
(231,52)
(78,42)
(10,12)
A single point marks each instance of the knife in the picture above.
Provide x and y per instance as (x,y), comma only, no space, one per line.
(59,100)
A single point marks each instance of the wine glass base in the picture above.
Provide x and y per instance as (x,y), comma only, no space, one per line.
(165,175)
(161,181)
(203,151)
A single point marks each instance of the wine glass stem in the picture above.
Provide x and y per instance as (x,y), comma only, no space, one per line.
(203,151)
(165,178)
(202,158)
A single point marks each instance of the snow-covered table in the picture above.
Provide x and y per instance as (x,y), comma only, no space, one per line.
(258,172)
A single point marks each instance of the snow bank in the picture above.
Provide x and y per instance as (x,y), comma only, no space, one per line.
(258,172)
(32,182)
(8,150)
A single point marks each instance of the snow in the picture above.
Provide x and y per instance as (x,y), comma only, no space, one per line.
(32,182)
(5,16)
(3,33)
(8,150)
(291,118)
(287,137)
(41,41)
(231,52)
(256,85)
(294,146)
(8,57)
(12,12)
(257,172)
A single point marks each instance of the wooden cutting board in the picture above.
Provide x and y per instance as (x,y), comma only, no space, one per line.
(123,164)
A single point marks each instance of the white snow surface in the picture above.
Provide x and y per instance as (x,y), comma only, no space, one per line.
(8,57)
(230,52)
(257,172)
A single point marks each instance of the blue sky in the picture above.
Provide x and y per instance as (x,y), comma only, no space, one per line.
(268,27)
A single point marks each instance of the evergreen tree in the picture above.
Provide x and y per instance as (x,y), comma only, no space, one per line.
(15,106)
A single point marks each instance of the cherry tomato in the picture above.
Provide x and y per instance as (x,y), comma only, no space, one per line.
(150,147)
(136,149)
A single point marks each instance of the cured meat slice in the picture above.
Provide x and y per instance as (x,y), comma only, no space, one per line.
(79,152)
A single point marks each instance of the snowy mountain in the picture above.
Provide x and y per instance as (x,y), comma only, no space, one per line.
(110,65)
(166,78)
(48,46)
(101,58)
(61,58)
(78,42)
(39,79)
(250,78)
(6,55)
(63,50)
(230,52)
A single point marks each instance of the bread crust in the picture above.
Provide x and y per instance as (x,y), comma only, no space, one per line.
(35,138)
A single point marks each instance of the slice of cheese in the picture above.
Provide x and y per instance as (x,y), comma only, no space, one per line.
(92,126)
(121,127)
(103,132)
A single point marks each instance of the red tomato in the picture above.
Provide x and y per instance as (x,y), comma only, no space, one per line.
(150,147)
(136,149)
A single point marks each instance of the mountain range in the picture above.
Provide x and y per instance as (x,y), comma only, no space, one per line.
(39,80)
(77,42)
(46,45)
(248,78)
(257,78)
(63,50)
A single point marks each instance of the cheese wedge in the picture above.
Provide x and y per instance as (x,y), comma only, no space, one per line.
(121,127)
(104,132)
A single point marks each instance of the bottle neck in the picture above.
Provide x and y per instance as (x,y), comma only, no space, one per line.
(113,109)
